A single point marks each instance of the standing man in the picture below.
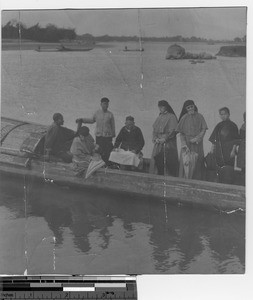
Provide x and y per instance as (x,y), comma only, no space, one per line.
(105,128)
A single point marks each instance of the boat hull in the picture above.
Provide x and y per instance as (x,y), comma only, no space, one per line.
(214,196)
(19,141)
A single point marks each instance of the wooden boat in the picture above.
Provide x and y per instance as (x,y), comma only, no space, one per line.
(20,147)
(47,50)
(63,49)
(133,50)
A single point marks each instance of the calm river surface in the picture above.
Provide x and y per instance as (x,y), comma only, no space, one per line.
(37,84)
(66,230)
(46,228)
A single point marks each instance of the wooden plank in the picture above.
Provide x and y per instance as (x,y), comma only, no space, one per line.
(14,161)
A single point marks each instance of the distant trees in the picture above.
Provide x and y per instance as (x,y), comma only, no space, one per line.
(87,38)
(50,33)
(240,40)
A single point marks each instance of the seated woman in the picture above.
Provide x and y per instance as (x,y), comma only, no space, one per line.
(223,138)
(83,150)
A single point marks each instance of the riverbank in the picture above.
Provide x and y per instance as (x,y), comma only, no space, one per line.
(15,44)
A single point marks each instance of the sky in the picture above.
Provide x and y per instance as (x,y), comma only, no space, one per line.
(213,23)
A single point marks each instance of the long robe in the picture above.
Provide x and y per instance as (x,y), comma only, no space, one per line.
(224,137)
(241,157)
(164,158)
(193,126)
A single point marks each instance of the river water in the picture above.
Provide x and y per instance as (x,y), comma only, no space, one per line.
(46,228)
(74,231)
(37,84)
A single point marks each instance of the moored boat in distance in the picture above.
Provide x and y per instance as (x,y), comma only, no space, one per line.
(39,49)
(64,49)
(22,145)
(133,50)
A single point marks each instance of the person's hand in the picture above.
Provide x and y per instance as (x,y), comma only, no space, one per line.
(161,140)
(80,120)
(212,149)
(185,148)
(96,147)
(233,152)
(134,151)
(193,140)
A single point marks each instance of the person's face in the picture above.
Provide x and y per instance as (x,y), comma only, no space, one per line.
(224,115)
(60,121)
(129,124)
(82,138)
(190,109)
(162,109)
(104,106)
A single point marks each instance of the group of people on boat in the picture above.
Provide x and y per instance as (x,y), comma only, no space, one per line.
(227,154)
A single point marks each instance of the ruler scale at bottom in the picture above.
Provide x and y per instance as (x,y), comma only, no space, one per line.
(68,287)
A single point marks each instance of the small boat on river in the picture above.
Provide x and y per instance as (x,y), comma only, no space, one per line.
(133,50)
(47,49)
(21,144)
(64,49)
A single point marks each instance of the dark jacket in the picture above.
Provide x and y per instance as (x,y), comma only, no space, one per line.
(224,137)
(130,140)
(58,139)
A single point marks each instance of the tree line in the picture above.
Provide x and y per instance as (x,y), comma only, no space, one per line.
(50,33)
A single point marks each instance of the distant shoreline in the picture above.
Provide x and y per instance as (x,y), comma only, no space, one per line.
(14,44)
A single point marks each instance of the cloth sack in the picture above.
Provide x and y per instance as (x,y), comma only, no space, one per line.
(123,157)
(95,164)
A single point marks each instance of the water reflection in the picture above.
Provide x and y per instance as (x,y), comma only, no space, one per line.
(134,235)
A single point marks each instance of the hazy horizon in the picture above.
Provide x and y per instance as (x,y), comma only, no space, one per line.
(211,23)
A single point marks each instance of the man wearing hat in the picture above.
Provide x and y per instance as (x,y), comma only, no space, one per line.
(105,128)
(128,144)
(130,137)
